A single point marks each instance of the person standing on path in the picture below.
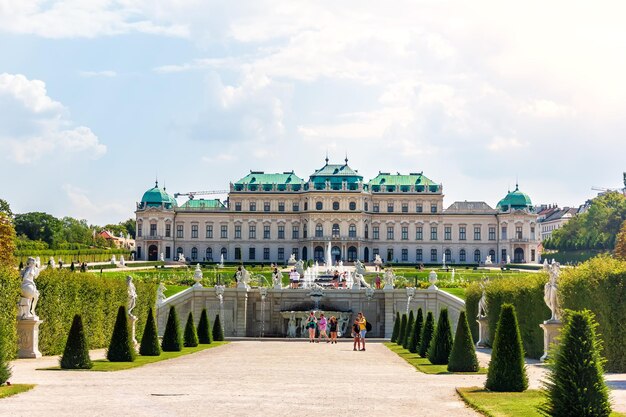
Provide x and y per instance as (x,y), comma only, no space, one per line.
(322,322)
(332,327)
(356,333)
(311,323)
(360,318)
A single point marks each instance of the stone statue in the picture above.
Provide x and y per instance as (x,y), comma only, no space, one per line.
(30,295)
(162,257)
(482,303)
(161,293)
(488,260)
(243,278)
(359,268)
(132,295)
(113,261)
(358,280)
(292,259)
(389,277)
(277,279)
(550,292)
(377,260)
(122,261)
(508,259)
(291,325)
(343,323)
(51,262)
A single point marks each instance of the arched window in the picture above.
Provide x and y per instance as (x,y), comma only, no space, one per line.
(224,253)
(462,256)
(318,254)
(335,205)
(477,256)
(335,230)
(319,205)
(179,250)
(492,253)
(194,253)
(352,205)
(209,254)
(352,231)
(319,231)
(448,254)
(367,232)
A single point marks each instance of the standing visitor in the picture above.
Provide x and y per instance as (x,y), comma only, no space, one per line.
(362,328)
(322,323)
(336,279)
(294,277)
(311,323)
(378,281)
(332,327)
(357,335)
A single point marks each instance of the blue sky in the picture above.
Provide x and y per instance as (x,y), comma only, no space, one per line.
(98,97)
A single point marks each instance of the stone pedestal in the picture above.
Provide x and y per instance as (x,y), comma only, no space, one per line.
(133,324)
(551,330)
(28,338)
(241,314)
(483,332)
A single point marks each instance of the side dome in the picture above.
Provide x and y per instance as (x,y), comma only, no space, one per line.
(515,200)
(157,197)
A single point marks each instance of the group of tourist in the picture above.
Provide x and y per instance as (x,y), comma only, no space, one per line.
(328,330)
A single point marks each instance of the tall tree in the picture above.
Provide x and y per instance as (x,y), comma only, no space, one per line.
(620,243)
(5,208)
(37,226)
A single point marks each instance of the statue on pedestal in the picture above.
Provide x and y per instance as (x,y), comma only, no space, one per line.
(51,262)
(292,259)
(132,296)
(300,267)
(359,267)
(550,292)
(277,279)
(122,261)
(113,261)
(389,276)
(243,278)
(482,303)
(30,295)
(161,293)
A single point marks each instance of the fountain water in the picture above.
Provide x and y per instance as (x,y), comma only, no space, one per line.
(221,264)
(329,258)
(410,293)
(263,293)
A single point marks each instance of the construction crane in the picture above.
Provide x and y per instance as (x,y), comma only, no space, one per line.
(192,194)
(608,190)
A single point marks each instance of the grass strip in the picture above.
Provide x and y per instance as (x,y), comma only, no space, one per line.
(423,364)
(506,404)
(8,390)
(103,365)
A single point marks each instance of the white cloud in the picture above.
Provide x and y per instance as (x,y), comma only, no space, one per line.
(35,126)
(81,206)
(506,144)
(93,74)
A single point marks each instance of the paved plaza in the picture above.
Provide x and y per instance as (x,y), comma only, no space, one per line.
(248,377)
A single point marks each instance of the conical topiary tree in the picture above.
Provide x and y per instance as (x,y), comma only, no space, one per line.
(171,337)
(416,332)
(204,328)
(507,372)
(76,353)
(402,332)
(441,345)
(409,327)
(575,385)
(121,348)
(427,334)
(463,356)
(191,336)
(150,340)
(396,328)
(218,332)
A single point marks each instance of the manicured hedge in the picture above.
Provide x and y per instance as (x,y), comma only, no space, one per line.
(9,296)
(96,298)
(69,255)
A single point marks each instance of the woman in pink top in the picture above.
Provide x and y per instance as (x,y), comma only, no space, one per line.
(321,323)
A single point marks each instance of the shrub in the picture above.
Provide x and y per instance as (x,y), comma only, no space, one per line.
(416,332)
(9,295)
(402,332)
(191,336)
(171,337)
(76,353)
(121,348)
(575,384)
(441,345)
(218,332)
(5,367)
(150,340)
(507,372)
(396,328)
(204,328)
(407,332)
(463,354)
(427,334)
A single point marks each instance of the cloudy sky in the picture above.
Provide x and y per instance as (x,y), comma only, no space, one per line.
(98,97)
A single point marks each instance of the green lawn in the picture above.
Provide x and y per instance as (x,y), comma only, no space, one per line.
(459,292)
(423,364)
(8,390)
(174,289)
(103,365)
(506,404)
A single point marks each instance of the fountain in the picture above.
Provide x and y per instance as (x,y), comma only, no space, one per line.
(197,276)
(452,276)
(263,293)
(329,260)
(410,293)
(221,264)
(444,260)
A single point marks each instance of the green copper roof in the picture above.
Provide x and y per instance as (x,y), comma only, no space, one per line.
(335,175)
(156,196)
(202,204)
(515,200)
(402,182)
(336,170)
(258,180)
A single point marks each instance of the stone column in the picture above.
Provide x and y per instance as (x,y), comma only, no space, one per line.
(483,332)
(551,330)
(389,312)
(28,338)
(241,317)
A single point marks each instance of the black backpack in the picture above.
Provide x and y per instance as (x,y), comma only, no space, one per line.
(368,326)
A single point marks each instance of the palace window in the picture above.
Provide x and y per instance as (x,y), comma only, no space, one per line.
(252,254)
(168,230)
(532,255)
(194,253)
(448,255)
(376,208)
(238,206)
(266,206)
(252,232)
(532,232)
(237,232)
(319,205)
(419,208)
(418,255)
(447,233)
(295,207)
(390,255)
(305,232)
(503,259)
(153,228)
(405,233)
(492,233)
(477,233)
(295,232)
(224,253)
(367,232)
(281,232)
(208,254)
(433,255)
(295,253)
(433,208)
(266,231)
(335,233)
(319,230)
(281,206)
(518,232)
(139,232)
(477,256)
(405,255)
(306,206)
(252,206)
(224,231)
(405,207)
(389,232)
(281,254)
(433,232)
(335,205)
(237,254)
(194,231)
(419,233)
(375,252)
(352,231)
(366,206)
(352,205)
(390,207)
(266,254)
(179,231)
(375,232)
(462,255)
(209,231)
(504,230)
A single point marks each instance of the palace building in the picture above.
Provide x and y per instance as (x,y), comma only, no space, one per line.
(401,217)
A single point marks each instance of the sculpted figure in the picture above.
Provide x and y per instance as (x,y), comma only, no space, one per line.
(291,326)
(161,293)
(300,267)
(30,295)
(359,268)
(482,303)
(550,292)
(389,276)
(132,295)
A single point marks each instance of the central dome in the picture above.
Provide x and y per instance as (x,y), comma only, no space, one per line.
(515,200)
(157,197)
